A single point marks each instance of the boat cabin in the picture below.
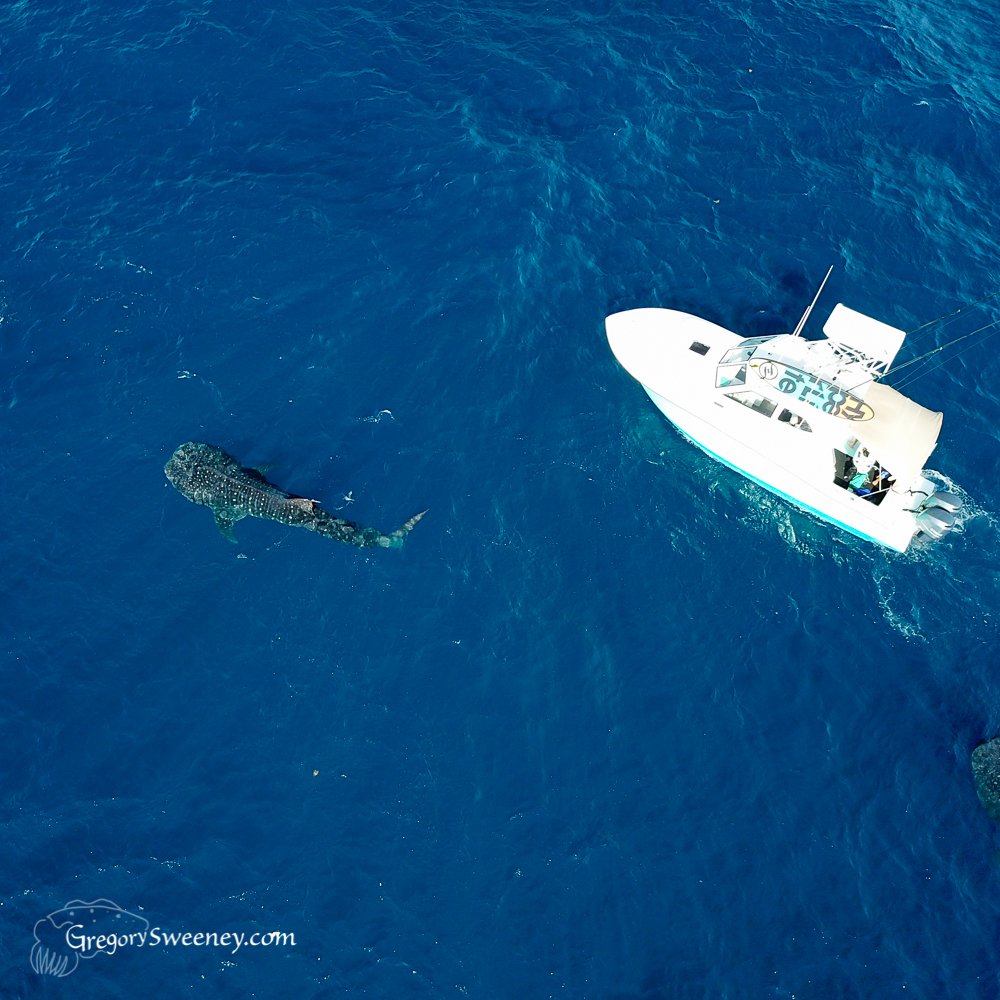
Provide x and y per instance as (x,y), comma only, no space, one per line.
(875,434)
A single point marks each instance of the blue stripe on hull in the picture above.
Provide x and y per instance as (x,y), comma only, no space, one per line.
(785,496)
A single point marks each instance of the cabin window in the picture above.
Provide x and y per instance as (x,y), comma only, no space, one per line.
(754,401)
(738,355)
(793,420)
(730,375)
(699,348)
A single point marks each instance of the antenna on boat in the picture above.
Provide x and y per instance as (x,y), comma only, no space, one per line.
(805,315)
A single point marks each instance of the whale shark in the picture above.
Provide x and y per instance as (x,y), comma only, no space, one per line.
(205,474)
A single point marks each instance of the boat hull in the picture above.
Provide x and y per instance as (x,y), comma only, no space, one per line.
(679,360)
(847,511)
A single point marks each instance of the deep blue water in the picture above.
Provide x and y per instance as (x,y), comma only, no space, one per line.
(616,723)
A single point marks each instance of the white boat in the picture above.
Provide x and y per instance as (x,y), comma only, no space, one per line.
(808,420)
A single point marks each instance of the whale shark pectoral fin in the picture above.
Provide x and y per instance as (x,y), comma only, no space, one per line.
(225,521)
(303,504)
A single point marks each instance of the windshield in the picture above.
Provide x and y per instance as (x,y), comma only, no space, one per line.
(738,355)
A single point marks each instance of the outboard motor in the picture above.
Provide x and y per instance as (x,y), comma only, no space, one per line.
(938,514)
(935,521)
(948,501)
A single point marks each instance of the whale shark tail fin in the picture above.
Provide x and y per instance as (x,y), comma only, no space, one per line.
(396,539)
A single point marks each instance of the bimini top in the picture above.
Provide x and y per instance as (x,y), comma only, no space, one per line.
(901,434)
(861,333)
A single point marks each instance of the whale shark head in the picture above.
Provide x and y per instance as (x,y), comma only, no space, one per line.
(188,461)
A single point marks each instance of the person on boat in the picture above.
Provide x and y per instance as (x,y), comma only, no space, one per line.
(861,484)
(881,479)
(869,476)
(873,484)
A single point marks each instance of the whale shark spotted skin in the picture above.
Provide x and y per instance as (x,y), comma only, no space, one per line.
(207,475)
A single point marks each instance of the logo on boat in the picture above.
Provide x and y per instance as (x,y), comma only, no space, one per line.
(815,391)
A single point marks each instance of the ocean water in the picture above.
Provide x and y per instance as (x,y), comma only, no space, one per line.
(616,724)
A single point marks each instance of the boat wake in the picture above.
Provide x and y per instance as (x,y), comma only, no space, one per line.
(956,602)
(966,584)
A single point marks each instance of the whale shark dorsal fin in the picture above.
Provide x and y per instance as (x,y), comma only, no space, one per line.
(303,504)
(225,521)
(258,472)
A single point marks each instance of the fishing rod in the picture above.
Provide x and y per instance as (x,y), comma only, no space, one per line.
(947,317)
(950,316)
(937,350)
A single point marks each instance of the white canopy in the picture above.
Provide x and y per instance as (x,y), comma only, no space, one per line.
(873,339)
(901,434)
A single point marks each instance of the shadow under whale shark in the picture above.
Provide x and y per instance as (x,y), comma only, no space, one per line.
(207,475)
